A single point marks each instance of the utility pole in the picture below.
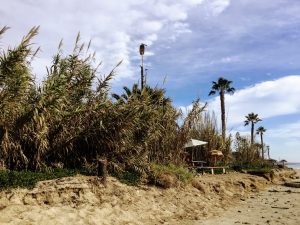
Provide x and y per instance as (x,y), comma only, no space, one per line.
(142,52)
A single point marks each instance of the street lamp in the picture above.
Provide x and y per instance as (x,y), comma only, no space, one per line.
(142,52)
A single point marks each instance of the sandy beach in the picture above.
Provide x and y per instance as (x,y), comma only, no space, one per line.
(275,205)
(212,199)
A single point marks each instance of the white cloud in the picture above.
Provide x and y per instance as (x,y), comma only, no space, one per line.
(284,149)
(115,27)
(217,7)
(267,99)
(289,130)
(284,141)
(242,36)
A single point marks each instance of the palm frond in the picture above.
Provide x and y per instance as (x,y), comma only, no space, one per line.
(212,93)
(4,29)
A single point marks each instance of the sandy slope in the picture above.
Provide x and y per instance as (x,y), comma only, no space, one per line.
(84,200)
(276,205)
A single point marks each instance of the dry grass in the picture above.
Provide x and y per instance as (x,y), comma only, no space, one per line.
(70,119)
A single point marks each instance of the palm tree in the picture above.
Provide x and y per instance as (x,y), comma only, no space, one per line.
(222,86)
(253,119)
(261,130)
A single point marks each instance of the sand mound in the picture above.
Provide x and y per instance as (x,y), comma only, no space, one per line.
(85,200)
(282,175)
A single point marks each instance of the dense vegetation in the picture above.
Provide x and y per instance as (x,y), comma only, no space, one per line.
(71,120)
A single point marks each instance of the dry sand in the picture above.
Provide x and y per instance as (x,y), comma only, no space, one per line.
(276,205)
(211,200)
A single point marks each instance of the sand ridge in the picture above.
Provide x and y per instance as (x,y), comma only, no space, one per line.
(85,200)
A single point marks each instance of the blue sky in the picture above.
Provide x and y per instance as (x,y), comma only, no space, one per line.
(254,43)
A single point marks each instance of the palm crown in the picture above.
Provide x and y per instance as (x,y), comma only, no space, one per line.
(260,130)
(156,95)
(253,118)
(222,85)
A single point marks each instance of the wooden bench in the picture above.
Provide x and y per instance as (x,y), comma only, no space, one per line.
(211,168)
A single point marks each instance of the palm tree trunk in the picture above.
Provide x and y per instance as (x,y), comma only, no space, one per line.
(222,99)
(252,133)
(262,146)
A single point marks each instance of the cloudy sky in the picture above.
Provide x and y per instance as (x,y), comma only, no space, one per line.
(254,43)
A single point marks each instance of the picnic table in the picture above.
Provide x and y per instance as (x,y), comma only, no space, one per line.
(200,165)
(213,168)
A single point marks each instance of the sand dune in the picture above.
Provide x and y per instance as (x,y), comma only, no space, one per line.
(84,200)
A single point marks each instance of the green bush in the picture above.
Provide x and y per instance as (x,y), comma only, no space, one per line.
(258,166)
(28,179)
(181,173)
(128,177)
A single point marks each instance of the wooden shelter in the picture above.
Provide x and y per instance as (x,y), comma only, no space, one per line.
(193,146)
(194,151)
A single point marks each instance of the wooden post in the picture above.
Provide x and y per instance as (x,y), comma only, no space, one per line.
(102,170)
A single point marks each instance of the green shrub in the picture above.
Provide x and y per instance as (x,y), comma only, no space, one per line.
(28,179)
(128,177)
(163,174)
(253,166)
